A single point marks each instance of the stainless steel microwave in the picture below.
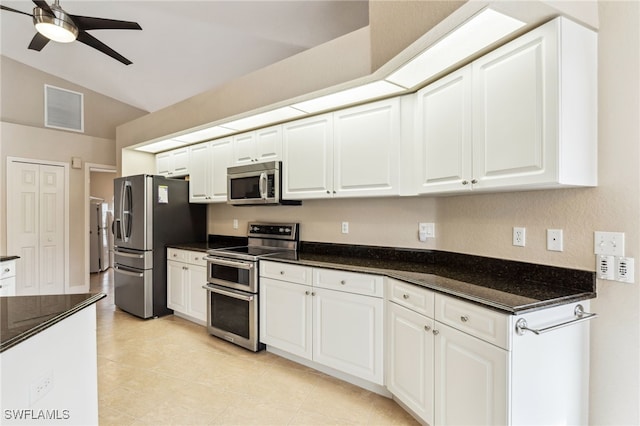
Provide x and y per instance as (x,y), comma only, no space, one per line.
(256,184)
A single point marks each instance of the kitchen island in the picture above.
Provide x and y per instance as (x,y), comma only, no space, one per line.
(48,358)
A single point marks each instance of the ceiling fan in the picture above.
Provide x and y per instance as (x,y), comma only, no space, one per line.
(53,23)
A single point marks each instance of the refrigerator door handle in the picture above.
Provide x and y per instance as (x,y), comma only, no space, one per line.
(125,214)
(127,272)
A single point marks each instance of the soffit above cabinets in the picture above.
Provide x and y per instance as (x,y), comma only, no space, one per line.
(465,35)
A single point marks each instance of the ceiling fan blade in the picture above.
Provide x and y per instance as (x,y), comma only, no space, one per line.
(43,5)
(38,42)
(14,10)
(90,40)
(90,23)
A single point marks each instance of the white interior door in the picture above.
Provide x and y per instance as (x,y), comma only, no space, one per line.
(36,226)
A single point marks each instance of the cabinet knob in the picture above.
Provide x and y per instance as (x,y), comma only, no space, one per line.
(427,328)
(281,272)
(436,332)
(197,258)
(464,318)
(328,192)
(465,182)
(306,292)
(313,293)
(343,282)
(474,181)
(405,296)
(7,269)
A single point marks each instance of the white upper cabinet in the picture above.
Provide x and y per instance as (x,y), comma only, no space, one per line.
(366,149)
(208,171)
(349,153)
(307,158)
(258,146)
(444,154)
(173,163)
(523,116)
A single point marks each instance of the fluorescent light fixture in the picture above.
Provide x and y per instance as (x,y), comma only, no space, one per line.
(264,118)
(158,146)
(56,26)
(477,33)
(204,134)
(349,96)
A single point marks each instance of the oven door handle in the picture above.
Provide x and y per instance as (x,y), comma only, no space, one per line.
(229,293)
(224,262)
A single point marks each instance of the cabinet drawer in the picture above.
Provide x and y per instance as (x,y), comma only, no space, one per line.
(8,286)
(7,269)
(488,325)
(286,272)
(352,282)
(411,296)
(177,255)
(196,258)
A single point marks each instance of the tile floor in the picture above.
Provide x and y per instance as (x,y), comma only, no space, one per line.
(169,371)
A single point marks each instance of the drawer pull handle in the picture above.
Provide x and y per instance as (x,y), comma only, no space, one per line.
(464,318)
(427,328)
(581,315)
(405,296)
(343,282)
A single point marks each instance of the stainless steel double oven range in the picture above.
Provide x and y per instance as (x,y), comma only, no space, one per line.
(233,276)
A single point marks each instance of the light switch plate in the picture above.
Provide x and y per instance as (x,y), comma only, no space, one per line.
(554,240)
(609,243)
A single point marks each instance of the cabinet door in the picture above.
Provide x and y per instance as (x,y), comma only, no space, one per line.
(410,360)
(163,163)
(515,112)
(308,158)
(222,157)
(196,295)
(285,316)
(366,150)
(8,286)
(348,335)
(176,293)
(470,380)
(244,148)
(444,137)
(268,144)
(180,162)
(199,177)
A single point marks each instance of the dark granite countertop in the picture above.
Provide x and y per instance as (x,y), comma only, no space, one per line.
(7,258)
(24,316)
(213,242)
(509,286)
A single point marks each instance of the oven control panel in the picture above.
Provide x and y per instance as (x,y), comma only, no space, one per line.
(282,231)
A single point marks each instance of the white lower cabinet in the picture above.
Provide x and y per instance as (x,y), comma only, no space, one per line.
(8,278)
(186,274)
(452,362)
(336,329)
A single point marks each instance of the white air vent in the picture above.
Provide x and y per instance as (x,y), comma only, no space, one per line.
(63,109)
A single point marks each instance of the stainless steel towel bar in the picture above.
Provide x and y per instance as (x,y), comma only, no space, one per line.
(581,315)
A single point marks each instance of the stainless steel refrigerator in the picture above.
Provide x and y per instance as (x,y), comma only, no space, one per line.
(150,212)
(98,238)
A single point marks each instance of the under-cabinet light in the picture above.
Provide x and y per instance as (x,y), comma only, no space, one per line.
(480,31)
(350,96)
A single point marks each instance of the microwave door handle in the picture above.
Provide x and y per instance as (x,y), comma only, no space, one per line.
(263,185)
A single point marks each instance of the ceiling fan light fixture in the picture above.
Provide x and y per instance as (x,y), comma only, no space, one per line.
(56,26)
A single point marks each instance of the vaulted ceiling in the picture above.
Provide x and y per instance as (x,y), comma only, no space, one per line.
(184,48)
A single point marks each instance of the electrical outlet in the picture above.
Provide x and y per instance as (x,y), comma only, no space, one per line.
(519,236)
(235,223)
(554,239)
(40,387)
(625,269)
(345,227)
(426,230)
